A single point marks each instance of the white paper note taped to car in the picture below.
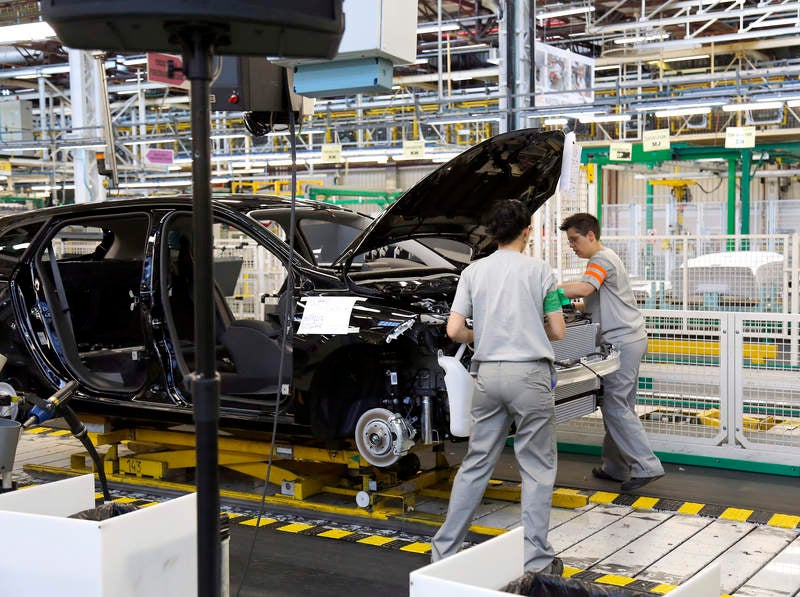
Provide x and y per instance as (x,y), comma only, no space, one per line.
(327,315)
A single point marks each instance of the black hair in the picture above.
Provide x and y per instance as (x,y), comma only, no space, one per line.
(583,223)
(509,217)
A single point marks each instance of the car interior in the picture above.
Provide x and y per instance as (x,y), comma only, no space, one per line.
(248,349)
(90,276)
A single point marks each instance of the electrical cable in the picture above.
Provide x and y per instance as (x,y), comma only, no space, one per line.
(287,331)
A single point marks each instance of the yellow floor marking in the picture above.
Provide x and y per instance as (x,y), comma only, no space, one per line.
(335,534)
(785,521)
(476,528)
(736,514)
(125,500)
(663,588)
(252,522)
(613,579)
(376,540)
(233,515)
(570,571)
(690,508)
(417,547)
(603,497)
(60,433)
(99,496)
(37,430)
(569,498)
(645,503)
(148,505)
(295,527)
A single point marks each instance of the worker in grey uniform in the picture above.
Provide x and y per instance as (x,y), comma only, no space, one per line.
(515,310)
(607,294)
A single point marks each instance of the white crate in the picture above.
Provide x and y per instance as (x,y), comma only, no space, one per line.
(148,552)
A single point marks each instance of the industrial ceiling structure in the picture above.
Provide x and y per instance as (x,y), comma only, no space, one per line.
(695,67)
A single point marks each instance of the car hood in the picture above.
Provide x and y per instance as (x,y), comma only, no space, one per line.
(454,200)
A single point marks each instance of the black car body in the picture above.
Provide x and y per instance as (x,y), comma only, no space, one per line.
(102,294)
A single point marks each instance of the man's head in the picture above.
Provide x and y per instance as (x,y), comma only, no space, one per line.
(583,234)
(508,220)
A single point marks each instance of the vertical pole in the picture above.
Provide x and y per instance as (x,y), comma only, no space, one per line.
(599,205)
(503,68)
(731,225)
(205,380)
(747,160)
(648,223)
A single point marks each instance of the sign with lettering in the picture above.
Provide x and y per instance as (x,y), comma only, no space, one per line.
(413,150)
(331,152)
(620,152)
(740,137)
(655,140)
(167,69)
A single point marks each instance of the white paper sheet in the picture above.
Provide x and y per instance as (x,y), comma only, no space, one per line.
(327,315)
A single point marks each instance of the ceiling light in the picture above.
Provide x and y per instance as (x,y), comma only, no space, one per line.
(793,103)
(679,58)
(26,32)
(641,38)
(555,121)
(752,106)
(551,12)
(682,112)
(435,28)
(605,118)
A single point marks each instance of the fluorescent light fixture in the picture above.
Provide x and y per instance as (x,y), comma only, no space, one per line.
(357,159)
(679,106)
(84,146)
(606,67)
(155,183)
(25,32)
(752,106)
(31,76)
(682,112)
(555,121)
(679,59)
(558,10)
(641,38)
(793,103)
(434,27)
(606,118)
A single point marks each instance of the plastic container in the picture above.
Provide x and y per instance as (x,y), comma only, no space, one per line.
(460,388)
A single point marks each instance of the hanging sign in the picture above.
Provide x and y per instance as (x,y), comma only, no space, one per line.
(159,159)
(414,150)
(331,152)
(570,166)
(620,152)
(167,69)
(740,137)
(655,140)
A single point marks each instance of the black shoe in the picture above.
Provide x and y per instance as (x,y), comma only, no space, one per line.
(637,482)
(556,568)
(601,474)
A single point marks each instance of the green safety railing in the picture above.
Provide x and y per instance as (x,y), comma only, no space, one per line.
(352,196)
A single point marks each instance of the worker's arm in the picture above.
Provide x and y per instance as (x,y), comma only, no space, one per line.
(457,329)
(554,325)
(577,289)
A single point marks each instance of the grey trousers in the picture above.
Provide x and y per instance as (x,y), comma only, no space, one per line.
(508,391)
(626,451)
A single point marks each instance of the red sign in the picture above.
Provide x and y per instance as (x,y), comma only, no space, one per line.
(167,69)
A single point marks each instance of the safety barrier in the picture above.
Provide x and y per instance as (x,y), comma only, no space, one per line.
(722,385)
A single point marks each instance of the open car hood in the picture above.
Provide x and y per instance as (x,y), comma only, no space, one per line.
(454,200)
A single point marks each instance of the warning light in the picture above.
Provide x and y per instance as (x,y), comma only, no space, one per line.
(234,98)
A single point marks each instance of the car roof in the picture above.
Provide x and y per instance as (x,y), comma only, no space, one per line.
(243,204)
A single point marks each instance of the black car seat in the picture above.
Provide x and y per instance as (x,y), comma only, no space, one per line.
(254,346)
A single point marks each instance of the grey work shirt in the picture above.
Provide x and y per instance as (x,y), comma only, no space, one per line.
(504,294)
(612,305)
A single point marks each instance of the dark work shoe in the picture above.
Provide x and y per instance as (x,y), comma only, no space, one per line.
(601,474)
(556,568)
(637,482)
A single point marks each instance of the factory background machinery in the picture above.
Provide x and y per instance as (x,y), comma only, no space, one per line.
(686,120)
